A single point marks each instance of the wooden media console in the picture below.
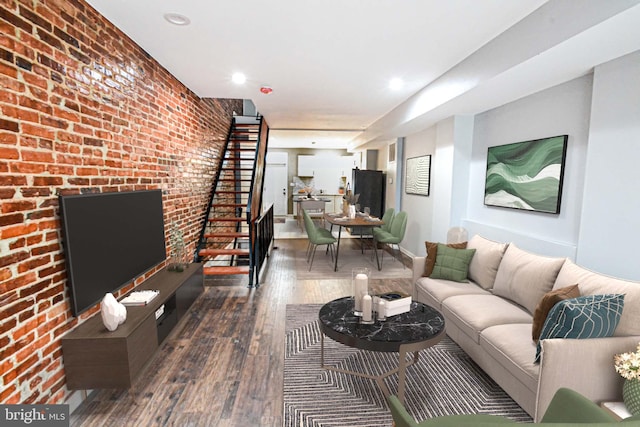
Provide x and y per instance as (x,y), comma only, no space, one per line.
(96,358)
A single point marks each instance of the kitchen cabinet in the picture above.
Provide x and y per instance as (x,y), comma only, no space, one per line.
(326,170)
(307,164)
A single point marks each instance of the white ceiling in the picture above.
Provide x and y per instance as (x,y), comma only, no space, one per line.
(329,62)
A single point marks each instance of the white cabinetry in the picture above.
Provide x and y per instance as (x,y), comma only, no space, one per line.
(326,170)
(307,165)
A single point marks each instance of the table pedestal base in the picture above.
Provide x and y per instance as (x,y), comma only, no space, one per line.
(403,364)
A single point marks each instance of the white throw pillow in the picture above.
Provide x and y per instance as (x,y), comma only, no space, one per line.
(484,264)
(524,277)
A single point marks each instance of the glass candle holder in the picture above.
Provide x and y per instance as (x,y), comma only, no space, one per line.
(360,287)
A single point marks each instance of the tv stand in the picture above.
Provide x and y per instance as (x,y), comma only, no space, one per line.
(96,358)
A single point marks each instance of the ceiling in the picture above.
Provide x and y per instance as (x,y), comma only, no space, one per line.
(330,62)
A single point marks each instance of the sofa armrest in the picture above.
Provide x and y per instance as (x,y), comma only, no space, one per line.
(583,365)
(418,271)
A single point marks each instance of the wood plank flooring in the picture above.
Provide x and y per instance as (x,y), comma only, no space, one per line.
(223,365)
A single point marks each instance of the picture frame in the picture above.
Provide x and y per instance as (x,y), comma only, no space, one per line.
(418,175)
(527,175)
(391,153)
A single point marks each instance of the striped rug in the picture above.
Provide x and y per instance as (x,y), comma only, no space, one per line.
(445,381)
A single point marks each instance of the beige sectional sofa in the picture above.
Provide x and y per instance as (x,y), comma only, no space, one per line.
(491,317)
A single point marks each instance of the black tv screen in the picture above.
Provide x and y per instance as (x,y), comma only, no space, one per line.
(109,239)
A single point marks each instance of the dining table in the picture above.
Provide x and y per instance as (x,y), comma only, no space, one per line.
(360,220)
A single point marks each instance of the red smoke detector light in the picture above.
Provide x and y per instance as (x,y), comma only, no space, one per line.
(266,90)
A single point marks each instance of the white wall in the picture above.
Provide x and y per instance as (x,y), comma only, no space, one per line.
(419,208)
(610,227)
(561,110)
(599,220)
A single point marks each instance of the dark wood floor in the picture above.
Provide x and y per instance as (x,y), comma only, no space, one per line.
(223,366)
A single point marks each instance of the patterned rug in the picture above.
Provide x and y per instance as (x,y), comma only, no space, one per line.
(445,381)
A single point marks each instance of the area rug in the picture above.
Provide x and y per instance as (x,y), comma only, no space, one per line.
(445,381)
(349,257)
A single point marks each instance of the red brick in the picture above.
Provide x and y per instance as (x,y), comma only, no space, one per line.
(11,219)
(37,156)
(18,230)
(35,192)
(18,205)
(13,258)
(9,153)
(31,264)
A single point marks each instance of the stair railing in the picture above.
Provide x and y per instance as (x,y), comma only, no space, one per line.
(254,205)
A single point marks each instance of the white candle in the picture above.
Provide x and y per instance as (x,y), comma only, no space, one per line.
(382,309)
(361,289)
(366,308)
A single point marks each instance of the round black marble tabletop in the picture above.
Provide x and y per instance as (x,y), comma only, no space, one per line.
(421,323)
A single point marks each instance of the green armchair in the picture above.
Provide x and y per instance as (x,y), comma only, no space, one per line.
(567,408)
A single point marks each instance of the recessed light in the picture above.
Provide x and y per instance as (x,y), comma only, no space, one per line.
(396,83)
(239,78)
(177,19)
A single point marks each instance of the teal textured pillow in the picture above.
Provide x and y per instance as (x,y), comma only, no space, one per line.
(452,264)
(589,316)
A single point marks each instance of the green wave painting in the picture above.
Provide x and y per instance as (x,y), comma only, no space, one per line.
(526,175)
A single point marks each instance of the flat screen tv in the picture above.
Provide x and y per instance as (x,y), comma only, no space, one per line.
(109,239)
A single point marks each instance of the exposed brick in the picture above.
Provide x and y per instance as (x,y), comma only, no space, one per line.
(13,258)
(84,110)
(18,205)
(18,230)
(9,153)
(11,219)
(9,125)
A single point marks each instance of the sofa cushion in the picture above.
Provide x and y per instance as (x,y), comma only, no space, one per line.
(432,251)
(590,316)
(511,347)
(484,264)
(592,283)
(433,291)
(474,313)
(452,264)
(524,277)
(550,299)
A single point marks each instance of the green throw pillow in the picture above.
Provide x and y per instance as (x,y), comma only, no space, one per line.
(452,264)
(589,316)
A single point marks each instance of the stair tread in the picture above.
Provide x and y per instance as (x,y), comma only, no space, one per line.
(227,234)
(216,252)
(224,270)
(226,218)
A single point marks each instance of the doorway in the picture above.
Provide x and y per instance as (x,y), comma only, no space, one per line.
(275,182)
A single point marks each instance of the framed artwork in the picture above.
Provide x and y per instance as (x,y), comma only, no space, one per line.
(392,153)
(418,175)
(526,175)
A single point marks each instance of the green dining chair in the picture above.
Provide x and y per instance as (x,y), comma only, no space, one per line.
(387,218)
(392,237)
(317,236)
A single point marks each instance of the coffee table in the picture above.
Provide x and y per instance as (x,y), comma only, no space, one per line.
(415,330)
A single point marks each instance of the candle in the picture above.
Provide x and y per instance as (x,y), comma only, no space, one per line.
(382,309)
(361,289)
(366,308)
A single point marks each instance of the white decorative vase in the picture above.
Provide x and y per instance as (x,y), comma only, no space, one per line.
(113,313)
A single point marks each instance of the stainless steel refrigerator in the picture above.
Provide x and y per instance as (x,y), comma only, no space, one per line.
(370,185)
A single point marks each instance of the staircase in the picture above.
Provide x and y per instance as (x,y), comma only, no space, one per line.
(227,244)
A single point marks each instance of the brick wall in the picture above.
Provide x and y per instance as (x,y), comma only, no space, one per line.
(82,109)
